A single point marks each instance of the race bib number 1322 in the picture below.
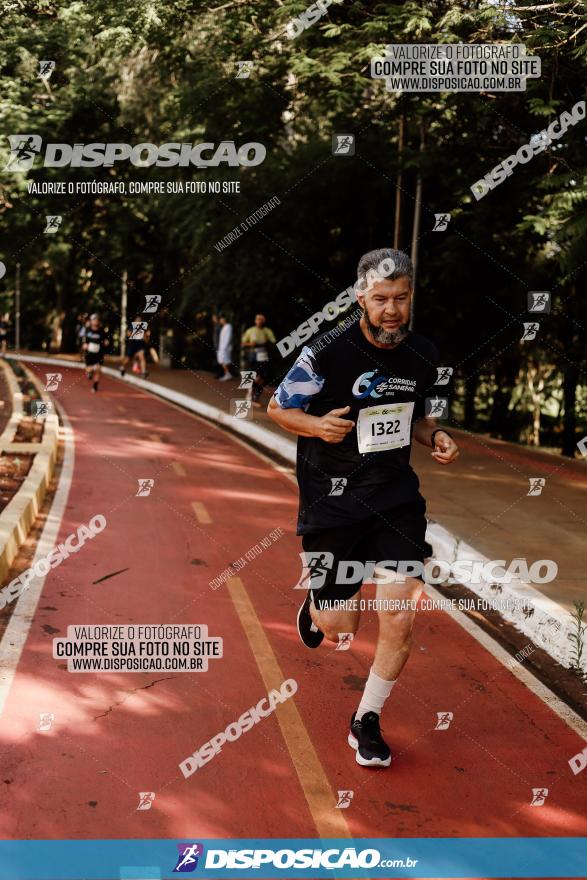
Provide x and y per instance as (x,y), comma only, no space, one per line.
(380,428)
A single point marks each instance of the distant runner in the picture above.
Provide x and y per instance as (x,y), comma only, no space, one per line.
(356,400)
(136,347)
(95,343)
(256,342)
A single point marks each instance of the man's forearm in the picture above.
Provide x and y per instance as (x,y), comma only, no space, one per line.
(296,421)
(423,430)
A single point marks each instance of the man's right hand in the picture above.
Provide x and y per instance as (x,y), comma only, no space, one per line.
(332,428)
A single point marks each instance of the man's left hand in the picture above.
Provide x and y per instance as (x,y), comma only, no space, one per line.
(445,448)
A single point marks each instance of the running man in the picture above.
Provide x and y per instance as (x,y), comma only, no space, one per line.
(136,347)
(94,345)
(356,402)
(255,342)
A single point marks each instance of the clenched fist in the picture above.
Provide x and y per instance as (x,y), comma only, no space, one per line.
(332,428)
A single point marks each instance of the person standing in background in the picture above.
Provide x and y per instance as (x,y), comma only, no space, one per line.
(224,349)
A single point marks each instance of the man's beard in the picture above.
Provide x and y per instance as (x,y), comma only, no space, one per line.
(383,336)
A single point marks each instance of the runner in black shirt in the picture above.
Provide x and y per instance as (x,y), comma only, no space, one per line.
(95,343)
(356,398)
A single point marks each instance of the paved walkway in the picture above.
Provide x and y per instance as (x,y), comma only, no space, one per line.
(482,498)
(114,734)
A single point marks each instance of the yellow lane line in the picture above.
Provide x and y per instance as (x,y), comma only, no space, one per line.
(320,797)
(202,514)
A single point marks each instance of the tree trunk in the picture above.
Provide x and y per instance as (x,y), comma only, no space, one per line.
(471,384)
(398,185)
(416,225)
(571,377)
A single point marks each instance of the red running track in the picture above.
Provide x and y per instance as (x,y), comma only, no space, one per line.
(116,734)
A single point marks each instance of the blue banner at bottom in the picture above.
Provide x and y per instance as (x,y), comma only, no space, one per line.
(413,858)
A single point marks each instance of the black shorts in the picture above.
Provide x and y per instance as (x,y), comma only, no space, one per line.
(133,346)
(396,535)
(93,359)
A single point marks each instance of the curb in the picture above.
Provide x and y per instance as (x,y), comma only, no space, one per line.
(546,623)
(17,408)
(19,514)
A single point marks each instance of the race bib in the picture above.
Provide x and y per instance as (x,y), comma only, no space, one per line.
(93,347)
(261,355)
(384,427)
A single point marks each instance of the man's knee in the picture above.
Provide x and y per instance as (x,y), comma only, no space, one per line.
(334,625)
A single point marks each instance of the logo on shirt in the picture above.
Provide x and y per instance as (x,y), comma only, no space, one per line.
(372,384)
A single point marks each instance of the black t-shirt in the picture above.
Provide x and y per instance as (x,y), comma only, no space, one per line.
(350,371)
(96,341)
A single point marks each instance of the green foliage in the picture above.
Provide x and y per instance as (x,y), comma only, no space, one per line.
(136,71)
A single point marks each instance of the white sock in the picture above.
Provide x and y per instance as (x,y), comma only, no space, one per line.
(374,696)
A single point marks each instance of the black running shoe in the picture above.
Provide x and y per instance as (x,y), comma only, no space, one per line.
(122,371)
(365,737)
(309,633)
